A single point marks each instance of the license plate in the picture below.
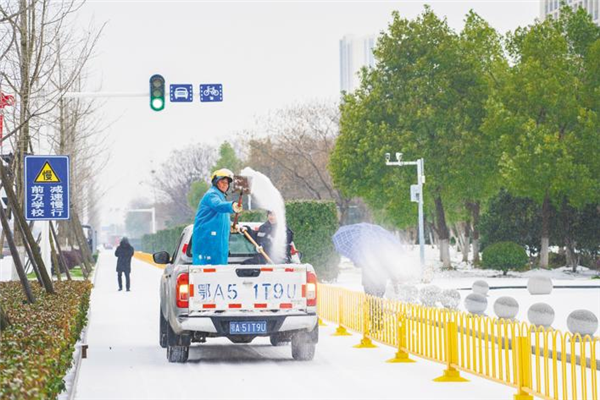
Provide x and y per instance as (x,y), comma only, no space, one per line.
(247,327)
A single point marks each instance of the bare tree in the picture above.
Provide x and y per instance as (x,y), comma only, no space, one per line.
(175,177)
(296,151)
(33,31)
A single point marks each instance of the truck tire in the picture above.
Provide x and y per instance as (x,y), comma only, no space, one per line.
(178,354)
(177,349)
(162,334)
(303,348)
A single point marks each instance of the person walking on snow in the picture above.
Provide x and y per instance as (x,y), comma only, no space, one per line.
(210,237)
(124,252)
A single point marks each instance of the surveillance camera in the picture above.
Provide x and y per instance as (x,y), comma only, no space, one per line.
(399,156)
(387,157)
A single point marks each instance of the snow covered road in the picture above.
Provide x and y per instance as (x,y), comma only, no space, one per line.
(125,361)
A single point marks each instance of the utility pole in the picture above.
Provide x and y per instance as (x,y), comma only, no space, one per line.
(416,195)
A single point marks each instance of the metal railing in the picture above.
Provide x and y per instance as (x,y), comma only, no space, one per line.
(539,362)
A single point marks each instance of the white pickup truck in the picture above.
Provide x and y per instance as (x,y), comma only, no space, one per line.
(239,301)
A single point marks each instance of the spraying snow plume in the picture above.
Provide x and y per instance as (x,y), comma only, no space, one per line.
(379,253)
(266,196)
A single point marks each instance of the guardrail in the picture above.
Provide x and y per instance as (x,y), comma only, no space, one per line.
(535,361)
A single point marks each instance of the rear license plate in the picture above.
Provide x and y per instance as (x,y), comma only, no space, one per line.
(247,327)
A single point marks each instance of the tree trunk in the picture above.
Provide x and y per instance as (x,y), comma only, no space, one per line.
(24,93)
(465,241)
(545,232)
(16,257)
(475,210)
(344,206)
(566,218)
(61,257)
(4,320)
(85,267)
(24,229)
(443,233)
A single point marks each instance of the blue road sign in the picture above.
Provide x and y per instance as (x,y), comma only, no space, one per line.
(181,93)
(211,92)
(46,188)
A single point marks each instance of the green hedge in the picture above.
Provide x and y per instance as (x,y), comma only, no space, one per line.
(504,256)
(164,240)
(37,347)
(314,223)
(253,216)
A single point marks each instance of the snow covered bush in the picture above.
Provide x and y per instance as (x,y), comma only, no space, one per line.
(407,293)
(37,347)
(450,298)
(430,295)
(504,256)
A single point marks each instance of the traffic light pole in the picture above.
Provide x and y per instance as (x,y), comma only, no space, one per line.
(80,95)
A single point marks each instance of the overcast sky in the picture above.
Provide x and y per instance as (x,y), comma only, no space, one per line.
(267,55)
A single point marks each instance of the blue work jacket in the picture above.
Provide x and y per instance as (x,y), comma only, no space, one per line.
(210,240)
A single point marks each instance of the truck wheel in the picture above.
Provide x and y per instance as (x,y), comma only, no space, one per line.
(303,348)
(177,351)
(162,334)
(178,354)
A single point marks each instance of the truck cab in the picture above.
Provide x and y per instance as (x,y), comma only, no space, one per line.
(241,300)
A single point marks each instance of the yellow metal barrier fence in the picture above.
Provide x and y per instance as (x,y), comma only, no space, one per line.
(535,361)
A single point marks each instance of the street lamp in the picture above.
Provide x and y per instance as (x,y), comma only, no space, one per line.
(416,196)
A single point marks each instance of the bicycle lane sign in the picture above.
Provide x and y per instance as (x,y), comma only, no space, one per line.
(211,92)
(47,188)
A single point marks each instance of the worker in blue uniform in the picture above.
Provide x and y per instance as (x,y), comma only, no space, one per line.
(210,240)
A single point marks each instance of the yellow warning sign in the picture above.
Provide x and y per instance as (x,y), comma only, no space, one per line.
(47,175)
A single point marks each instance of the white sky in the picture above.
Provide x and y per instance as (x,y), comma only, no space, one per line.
(267,55)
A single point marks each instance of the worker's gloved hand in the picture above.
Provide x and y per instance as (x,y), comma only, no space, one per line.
(243,229)
(237,208)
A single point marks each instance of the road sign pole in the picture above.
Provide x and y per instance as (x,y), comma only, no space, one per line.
(420,173)
(419,195)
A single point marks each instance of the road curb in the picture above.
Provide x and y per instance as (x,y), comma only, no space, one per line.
(70,391)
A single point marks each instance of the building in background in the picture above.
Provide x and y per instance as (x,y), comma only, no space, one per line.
(552,8)
(355,53)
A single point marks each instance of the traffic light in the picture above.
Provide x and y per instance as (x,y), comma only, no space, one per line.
(157,92)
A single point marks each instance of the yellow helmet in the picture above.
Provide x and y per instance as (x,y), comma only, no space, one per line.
(220,174)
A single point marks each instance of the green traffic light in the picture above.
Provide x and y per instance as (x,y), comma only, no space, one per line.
(157,104)
(157,92)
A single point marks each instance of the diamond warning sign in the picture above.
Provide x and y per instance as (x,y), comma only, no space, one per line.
(47,175)
(47,188)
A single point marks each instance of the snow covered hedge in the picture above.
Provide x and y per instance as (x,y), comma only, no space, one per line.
(37,347)
(314,223)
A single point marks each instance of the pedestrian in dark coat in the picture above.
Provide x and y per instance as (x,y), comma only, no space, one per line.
(124,253)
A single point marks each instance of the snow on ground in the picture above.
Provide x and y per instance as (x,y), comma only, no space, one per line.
(125,361)
(563,301)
